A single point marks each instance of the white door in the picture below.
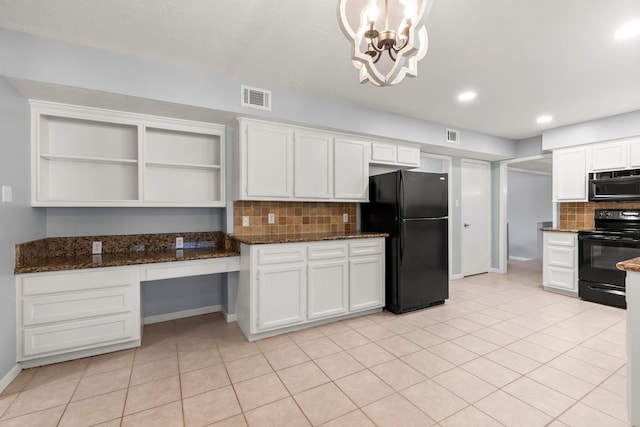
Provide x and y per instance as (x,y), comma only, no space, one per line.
(475,201)
(366,283)
(269,160)
(313,165)
(281,296)
(351,170)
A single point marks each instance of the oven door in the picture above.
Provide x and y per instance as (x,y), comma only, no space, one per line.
(600,280)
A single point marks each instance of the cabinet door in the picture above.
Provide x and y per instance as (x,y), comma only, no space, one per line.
(634,153)
(313,165)
(570,174)
(385,153)
(281,296)
(366,283)
(269,161)
(351,170)
(408,156)
(609,156)
(327,289)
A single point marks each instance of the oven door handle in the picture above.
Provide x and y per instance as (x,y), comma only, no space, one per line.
(607,290)
(609,238)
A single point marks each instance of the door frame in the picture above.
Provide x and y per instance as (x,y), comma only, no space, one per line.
(490,195)
(448,167)
(502,200)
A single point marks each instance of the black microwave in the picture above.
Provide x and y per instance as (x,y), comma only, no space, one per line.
(619,185)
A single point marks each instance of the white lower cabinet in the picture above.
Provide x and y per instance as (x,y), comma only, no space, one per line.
(63,312)
(560,262)
(283,286)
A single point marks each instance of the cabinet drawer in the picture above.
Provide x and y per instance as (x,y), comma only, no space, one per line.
(327,251)
(561,239)
(70,336)
(79,305)
(562,278)
(76,281)
(561,256)
(366,247)
(276,255)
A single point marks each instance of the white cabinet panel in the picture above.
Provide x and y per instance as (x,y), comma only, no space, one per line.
(560,262)
(366,283)
(386,153)
(281,293)
(279,254)
(313,165)
(570,174)
(609,156)
(366,247)
(409,156)
(634,153)
(328,289)
(269,161)
(327,251)
(351,170)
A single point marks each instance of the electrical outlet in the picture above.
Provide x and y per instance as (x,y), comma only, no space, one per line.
(245,221)
(345,217)
(179,243)
(271,218)
(96,249)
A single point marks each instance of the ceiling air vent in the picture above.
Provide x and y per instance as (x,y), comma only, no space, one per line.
(453,136)
(256,98)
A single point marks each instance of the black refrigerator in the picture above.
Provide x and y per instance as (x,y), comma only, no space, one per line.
(412,207)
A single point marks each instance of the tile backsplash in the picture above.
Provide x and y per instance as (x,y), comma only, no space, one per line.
(293,217)
(579,215)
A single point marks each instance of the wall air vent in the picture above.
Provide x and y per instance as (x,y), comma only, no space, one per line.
(256,98)
(453,136)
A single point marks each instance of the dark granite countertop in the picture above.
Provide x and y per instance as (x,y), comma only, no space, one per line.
(307,237)
(71,253)
(560,230)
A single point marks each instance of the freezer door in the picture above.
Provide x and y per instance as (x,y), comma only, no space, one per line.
(422,264)
(423,195)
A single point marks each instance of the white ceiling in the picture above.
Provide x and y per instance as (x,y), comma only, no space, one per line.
(524,58)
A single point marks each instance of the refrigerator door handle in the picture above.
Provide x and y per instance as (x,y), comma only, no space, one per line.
(401,196)
(403,231)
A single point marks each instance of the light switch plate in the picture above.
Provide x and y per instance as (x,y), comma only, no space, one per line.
(345,217)
(245,221)
(271,218)
(7,194)
(179,243)
(96,249)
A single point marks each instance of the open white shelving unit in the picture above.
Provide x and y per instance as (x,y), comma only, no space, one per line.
(92,157)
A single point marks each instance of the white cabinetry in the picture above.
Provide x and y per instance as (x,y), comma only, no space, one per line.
(383,153)
(609,156)
(91,157)
(560,257)
(284,286)
(570,174)
(351,170)
(290,163)
(69,311)
(634,153)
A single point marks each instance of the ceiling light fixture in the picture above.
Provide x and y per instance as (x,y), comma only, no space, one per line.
(467,96)
(374,38)
(544,119)
(628,30)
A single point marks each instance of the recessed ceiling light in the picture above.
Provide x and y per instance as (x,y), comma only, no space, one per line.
(544,119)
(628,30)
(466,96)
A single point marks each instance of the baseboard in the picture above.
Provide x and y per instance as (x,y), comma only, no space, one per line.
(519,258)
(10,376)
(456,277)
(495,270)
(180,314)
(229,317)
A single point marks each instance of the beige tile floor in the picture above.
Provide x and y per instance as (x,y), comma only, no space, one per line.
(501,351)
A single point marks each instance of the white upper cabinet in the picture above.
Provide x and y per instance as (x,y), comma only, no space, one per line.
(92,157)
(351,170)
(634,153)
(282,162)
(267,152)
(609,156)
(313,165)
(570,174)
(383,153)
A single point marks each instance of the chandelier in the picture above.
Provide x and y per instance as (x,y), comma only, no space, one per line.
(374,38)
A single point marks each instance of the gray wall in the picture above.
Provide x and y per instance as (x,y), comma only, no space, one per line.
(528,202)
(604,129)
(20,223)
(529,147)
